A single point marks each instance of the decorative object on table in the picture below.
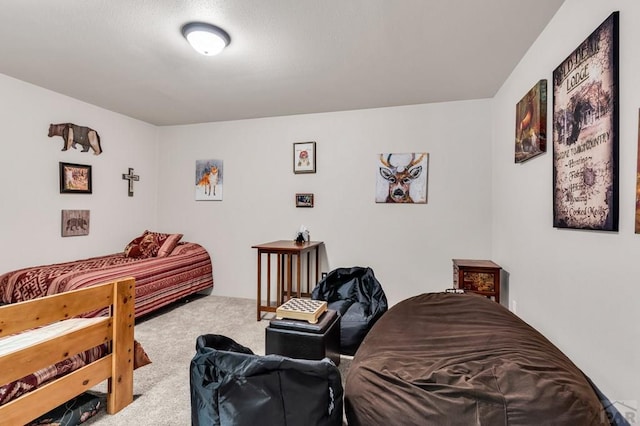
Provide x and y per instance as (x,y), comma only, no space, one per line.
(585,133)
(75,223)
(302,309)
(131,178)
(304,157)
(638,184)
(402,178)
(209,180)
(302,235)
(304,200)
(531,123)
(75,178)
(73,134)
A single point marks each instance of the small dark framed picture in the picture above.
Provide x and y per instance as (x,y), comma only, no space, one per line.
(304,200)
(304,157)
(75,178)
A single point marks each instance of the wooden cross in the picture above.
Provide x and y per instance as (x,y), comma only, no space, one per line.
(130,177)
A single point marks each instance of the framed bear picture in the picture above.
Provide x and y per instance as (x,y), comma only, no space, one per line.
(75,223)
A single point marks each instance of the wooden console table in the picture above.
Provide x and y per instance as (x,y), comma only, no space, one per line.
(286,250)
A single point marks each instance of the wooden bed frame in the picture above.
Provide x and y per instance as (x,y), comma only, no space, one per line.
(116,329)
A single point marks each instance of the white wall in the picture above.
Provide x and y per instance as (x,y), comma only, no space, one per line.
(579,288)
(30,216)
(409,247)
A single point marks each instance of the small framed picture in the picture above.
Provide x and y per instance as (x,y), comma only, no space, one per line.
(75,223)
(304,157)
(75,178)
(304,200)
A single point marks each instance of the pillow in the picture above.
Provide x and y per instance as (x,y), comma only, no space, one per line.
(166,242)
(140,357)
(152,244)
(142,247)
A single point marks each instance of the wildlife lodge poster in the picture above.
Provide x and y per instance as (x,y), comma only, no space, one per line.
(585,133)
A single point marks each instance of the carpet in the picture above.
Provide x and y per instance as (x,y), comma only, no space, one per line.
(161,389)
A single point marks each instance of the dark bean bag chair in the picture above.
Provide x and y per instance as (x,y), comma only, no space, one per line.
(232,386)
(358,296)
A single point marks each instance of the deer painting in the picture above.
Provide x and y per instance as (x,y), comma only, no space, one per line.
(400,176)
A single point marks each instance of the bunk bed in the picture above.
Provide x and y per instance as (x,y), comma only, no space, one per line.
(36,334)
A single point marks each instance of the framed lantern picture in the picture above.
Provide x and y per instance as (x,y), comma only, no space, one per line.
(531,123)
(304,157)
(585,133)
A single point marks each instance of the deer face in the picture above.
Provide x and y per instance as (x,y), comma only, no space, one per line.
(400,178)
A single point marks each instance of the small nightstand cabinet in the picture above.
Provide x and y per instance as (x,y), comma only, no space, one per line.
(477,276)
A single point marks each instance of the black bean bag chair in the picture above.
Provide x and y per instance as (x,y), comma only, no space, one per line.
(358,296)
(232,386)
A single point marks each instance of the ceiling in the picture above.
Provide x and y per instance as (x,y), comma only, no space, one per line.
(286,56)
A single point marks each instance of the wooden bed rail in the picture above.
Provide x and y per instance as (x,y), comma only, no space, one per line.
(116,329)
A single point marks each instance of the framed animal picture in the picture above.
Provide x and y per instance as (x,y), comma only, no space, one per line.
(402,178)
(75,223)
(209,180)
(304,157)
(75,178)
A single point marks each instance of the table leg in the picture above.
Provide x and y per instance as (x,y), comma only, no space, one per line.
(317,265)
(309,272)
(268,279)
(289,275)
(298,274)
(279,290)
(259,285)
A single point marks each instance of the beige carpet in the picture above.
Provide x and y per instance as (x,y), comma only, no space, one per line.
(161,389)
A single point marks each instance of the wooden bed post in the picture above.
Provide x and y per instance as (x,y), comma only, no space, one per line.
(121,384)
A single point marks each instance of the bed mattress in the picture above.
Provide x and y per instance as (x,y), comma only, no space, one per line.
(159,280)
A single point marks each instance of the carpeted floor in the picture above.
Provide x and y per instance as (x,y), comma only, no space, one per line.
(161,389)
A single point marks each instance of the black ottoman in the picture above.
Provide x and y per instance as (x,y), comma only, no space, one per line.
(300,339)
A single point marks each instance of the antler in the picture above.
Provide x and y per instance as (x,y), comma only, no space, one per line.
(414,161)
(386,162)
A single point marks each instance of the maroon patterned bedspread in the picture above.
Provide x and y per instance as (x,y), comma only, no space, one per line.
(15,389)
(159,281)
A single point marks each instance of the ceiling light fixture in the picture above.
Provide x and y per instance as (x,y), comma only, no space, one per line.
(205,38)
